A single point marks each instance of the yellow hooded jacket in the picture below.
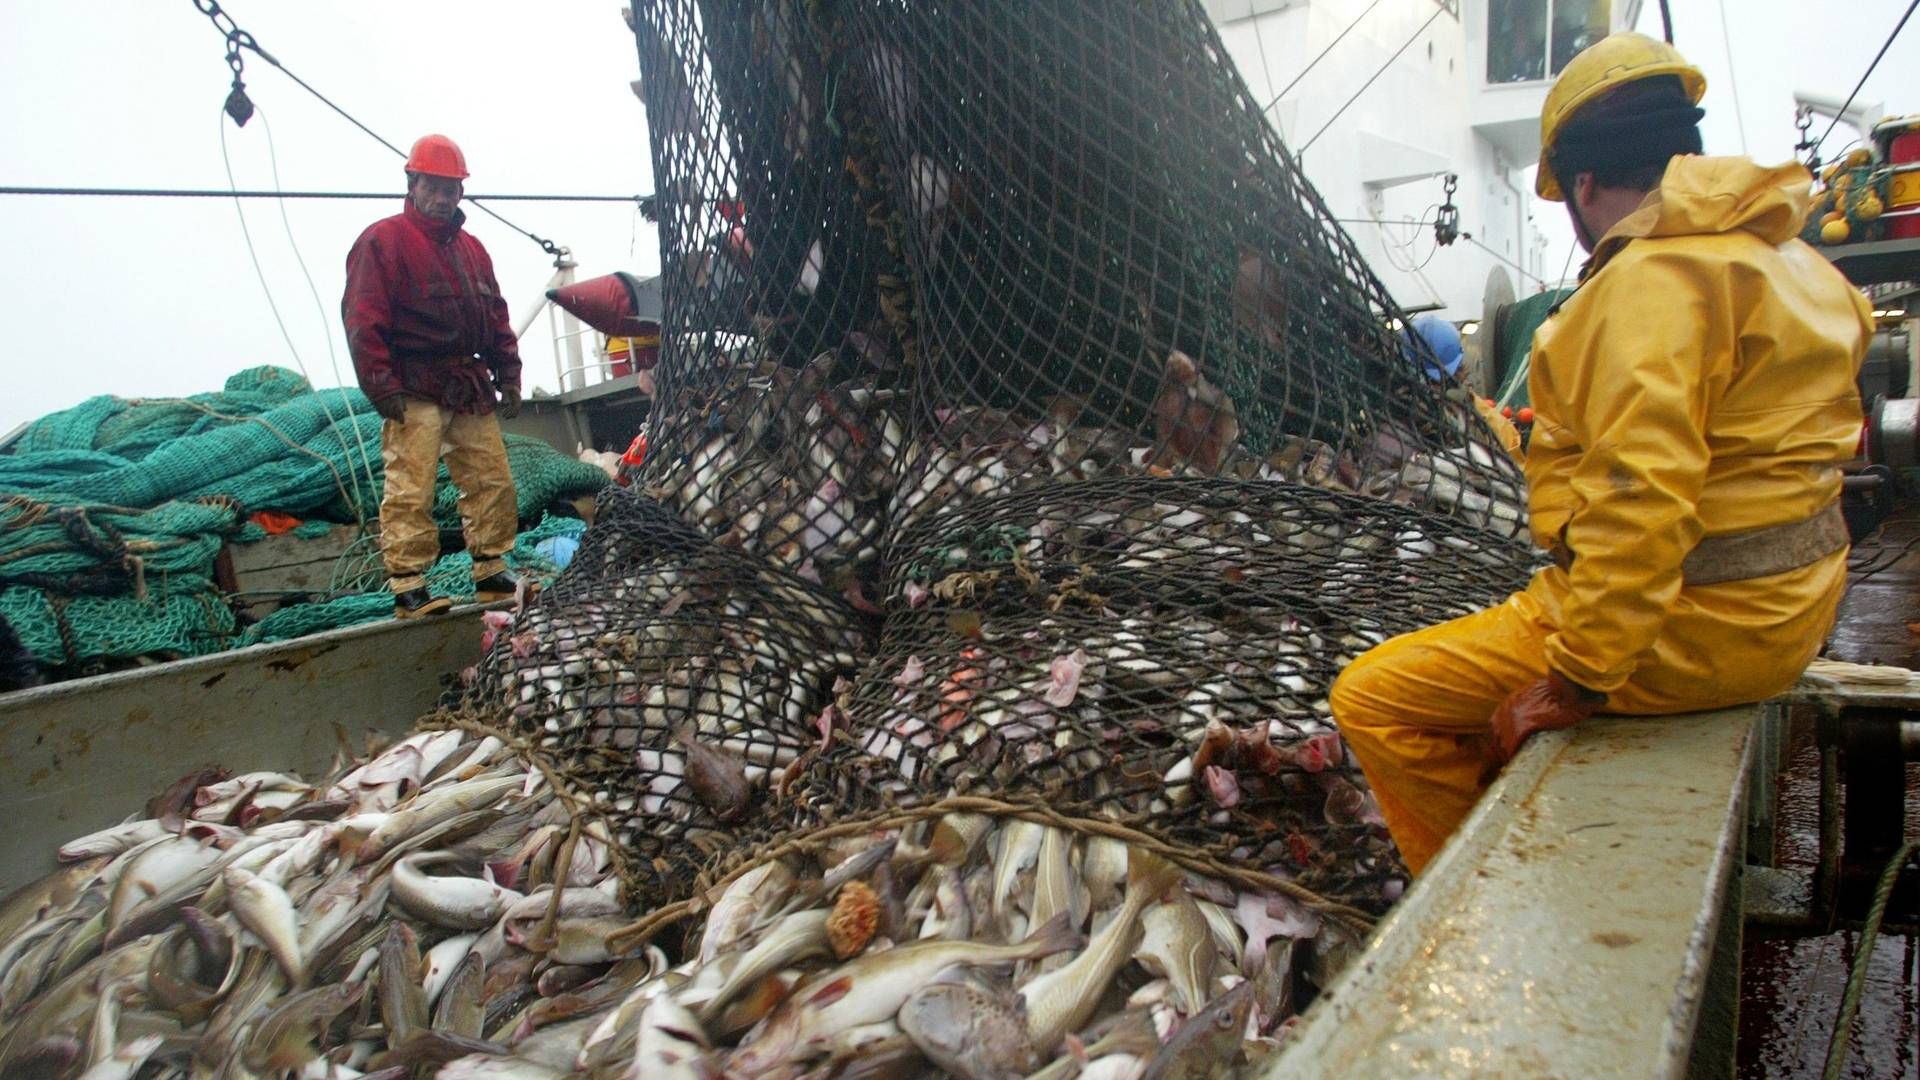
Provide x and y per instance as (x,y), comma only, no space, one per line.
(1700,382)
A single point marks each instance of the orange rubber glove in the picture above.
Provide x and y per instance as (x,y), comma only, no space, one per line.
(1552,703)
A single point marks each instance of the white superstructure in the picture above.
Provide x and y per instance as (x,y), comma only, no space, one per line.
(1462,97)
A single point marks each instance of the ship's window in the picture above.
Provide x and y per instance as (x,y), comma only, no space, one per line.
(1531,40)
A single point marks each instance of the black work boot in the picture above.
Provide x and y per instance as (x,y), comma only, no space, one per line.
(415,603)
(495,587)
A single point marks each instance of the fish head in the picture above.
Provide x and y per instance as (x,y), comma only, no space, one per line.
(941,1017)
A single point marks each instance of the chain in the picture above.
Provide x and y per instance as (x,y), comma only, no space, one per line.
(1803,120)
(238,106)
(1446,223)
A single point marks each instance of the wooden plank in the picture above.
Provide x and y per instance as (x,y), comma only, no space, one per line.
(287,550)
(266,569)
(1568,928)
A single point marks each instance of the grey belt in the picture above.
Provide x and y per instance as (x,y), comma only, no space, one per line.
(1755,553)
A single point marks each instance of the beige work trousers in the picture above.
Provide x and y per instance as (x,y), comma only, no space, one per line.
(476,457)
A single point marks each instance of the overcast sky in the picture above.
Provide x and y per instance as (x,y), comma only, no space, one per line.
(158,297)
(1777,48)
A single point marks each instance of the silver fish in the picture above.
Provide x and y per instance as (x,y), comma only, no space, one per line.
(403,1005)
(1176,942)
(1019,848)
(433,808)
(734,913)
(156,869)
(112,840)
(1103,869)
(283,1039)
(1056,887)
(441,960)
(1208,1045)
(49,894)
(1132,1036)
(493,1067)
(459,1010)
(671,1044)
(872,988)
(456,903)
(125,1060)
(263,907)
(800,935)
(1060,1000)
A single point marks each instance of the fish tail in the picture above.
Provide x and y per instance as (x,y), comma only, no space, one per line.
(1149,875)
(1057,934)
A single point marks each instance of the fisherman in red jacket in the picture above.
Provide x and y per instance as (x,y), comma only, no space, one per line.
(431,345)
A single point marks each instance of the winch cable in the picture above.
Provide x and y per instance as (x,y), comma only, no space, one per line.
(1864,76)
(218,193)
(326,322)
(1337,39)
(1438,10)
(253,254)
(1468,237)
(1733,76)
(1857,977)
(238,39)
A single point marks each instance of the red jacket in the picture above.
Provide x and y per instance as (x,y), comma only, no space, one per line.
(424,314)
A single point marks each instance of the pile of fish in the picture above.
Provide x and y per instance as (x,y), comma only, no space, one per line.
(970,947)
(811,474)
(1219,735)
(393,917)
(402,918)
(672,676)
(783,464)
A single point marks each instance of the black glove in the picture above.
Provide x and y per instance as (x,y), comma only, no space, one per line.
(392,407)
(509,402)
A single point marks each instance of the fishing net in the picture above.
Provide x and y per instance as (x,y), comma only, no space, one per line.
(1007,350)
(732,656)
(114,512)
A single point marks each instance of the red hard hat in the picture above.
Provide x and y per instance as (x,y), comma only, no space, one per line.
(436,155)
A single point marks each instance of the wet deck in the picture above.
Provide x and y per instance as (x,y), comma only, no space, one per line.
(1792,985)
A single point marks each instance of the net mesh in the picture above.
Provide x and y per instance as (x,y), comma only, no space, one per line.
(1019,395)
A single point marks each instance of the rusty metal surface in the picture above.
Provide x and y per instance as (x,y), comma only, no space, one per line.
(1566,929)
(81,755)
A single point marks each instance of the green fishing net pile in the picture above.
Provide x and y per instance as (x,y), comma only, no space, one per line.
(113,512)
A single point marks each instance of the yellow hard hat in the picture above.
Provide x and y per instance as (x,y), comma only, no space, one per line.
(1606,65)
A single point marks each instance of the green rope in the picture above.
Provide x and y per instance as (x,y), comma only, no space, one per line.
(1857,978)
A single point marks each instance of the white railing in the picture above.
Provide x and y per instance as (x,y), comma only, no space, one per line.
(579,358)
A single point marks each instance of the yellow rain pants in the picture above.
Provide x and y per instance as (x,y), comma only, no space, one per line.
(476,457)
(1415,709)
(1700,383)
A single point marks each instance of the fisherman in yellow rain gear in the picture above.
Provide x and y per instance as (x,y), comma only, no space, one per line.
(1693,401)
